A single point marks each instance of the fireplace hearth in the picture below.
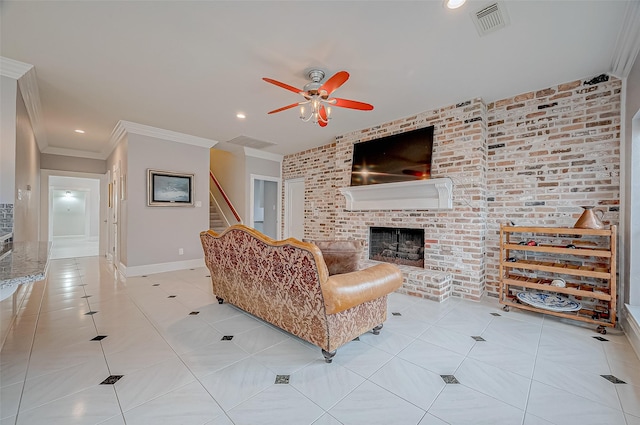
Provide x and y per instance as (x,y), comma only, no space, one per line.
(397,245)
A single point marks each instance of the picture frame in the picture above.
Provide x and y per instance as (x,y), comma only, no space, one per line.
(169,189)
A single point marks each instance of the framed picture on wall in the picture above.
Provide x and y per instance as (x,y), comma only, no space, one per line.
(169,189)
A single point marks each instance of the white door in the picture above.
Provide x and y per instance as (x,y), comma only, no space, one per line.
(115,215)
(265,205)
(294,209)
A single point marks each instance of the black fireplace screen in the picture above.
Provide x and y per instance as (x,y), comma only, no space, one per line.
(397,246)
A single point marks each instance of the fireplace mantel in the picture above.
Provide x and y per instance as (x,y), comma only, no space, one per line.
(432,194)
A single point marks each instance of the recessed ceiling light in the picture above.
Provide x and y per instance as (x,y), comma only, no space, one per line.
(454,4)
(79,131)
(241,115)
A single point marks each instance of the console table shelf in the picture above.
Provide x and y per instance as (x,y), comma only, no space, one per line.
(588,268)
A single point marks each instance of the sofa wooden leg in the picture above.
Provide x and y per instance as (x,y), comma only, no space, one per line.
(220,300)
(376,330)
(328,356)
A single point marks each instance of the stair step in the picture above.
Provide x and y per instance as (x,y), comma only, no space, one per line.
(216,221)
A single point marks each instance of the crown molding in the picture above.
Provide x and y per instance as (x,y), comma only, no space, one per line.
(628,43)
(117,134)
(124,127)
(13,68)
(31,95)
(262,154)
(74,152)
(159,133)
(25,74)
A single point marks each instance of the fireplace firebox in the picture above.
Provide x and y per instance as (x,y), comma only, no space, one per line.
(397,245)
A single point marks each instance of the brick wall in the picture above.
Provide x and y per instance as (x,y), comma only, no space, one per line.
(317,167)
(534,158)
(549,152)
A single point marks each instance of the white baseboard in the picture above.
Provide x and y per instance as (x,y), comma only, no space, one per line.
(631,326)
(159,268)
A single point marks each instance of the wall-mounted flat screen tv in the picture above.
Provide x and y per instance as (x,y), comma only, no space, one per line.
(396,158)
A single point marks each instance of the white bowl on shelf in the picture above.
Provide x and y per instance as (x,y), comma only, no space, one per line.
(553,302)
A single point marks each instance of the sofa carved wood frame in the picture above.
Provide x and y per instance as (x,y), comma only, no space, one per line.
(287,284)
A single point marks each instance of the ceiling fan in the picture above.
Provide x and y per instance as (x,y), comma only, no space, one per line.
(317,95)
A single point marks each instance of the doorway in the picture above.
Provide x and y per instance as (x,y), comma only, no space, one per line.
(72,219)
(264,205)
(294,208)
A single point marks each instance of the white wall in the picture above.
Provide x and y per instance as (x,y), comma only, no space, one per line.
(229,169)
(631,177)
(119,159)
(94,183)
(84,189)
(255,164)
(26,212)
(233,169)
(271,213)
(8,94)
(155,234)
(72,163)
(69,213)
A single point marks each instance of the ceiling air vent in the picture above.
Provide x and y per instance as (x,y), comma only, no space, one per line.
(490,18)
(250,142)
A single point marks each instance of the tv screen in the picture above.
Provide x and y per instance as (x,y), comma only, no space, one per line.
(396,158)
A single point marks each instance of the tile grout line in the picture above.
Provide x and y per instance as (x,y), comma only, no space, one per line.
(524,411)
(606,356)
(104,355)
(580,395)
(196,379)
(535,363)
(396,356)
(533,371)
(35,330)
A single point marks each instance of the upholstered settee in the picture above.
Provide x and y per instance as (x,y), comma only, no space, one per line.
(287,284)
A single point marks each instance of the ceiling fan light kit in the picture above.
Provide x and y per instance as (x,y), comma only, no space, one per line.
(317,97)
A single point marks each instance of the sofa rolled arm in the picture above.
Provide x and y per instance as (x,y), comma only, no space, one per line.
(343,291)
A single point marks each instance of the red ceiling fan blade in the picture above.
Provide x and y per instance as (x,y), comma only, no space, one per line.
(335,82)
(352,104)
(322,122)
(283,85)
(284,108)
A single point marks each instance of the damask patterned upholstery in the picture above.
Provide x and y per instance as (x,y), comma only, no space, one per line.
(287,284)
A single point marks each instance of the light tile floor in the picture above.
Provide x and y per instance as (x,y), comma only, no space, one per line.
(531,369)
(72,246)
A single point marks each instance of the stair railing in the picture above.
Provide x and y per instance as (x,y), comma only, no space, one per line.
(227,202)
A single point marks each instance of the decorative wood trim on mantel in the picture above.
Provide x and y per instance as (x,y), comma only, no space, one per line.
(431,194)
